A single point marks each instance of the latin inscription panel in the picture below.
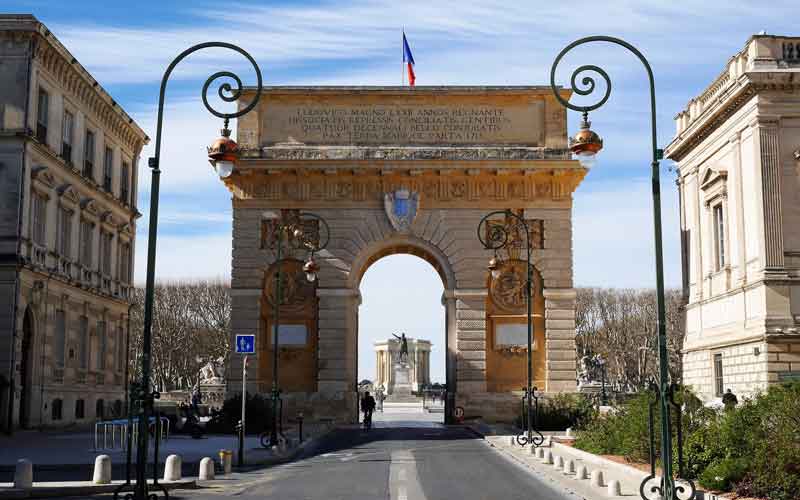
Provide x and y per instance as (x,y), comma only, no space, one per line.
(401,120)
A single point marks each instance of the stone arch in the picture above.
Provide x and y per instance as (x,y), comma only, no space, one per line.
(409,244)
(401,244)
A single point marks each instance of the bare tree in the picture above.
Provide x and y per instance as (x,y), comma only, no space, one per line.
(189,320)
(621,326)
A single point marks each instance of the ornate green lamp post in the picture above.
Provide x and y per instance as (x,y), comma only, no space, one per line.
(585,145)
(505,235)
(223,158)
(304,230)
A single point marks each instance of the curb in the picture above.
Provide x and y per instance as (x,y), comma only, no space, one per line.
(83,488)
(288,457)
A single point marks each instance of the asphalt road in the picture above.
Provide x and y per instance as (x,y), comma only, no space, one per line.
(424,461)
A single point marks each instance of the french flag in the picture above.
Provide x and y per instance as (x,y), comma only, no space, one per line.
(408,60)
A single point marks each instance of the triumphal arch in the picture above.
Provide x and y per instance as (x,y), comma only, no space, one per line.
(405,170)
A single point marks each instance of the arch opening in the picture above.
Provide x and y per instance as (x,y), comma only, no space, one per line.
(400,295)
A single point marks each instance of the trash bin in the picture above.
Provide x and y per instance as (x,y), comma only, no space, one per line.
(226,460)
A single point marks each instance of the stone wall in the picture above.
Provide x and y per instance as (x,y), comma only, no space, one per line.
(447,239)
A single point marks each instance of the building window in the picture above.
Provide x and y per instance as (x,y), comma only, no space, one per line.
(80,409)
(42,112)
(65,232)
(87,241)
(56,410)
(39,214)
(719,384)
(108,163)
(125,263)
(101,338)
(66,139)
(120,348)
(719,236)
(105,252)
(88,155)
(99,409)
(61,337)
(124,183)
(83,346)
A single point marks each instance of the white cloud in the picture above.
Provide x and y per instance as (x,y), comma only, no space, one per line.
(613,233)
(187,130)
(185,257)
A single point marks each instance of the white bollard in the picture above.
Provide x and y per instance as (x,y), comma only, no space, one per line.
(582,473)
(569,432)
(597,478)
(569,466)
(548,441)
(512,441)
(172,468)
(559,462)
(102,470)
(548,457)
(23,474)
(532,450)
(539,452)
(614,489)
(206,469)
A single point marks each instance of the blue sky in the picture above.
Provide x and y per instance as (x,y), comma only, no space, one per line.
(358,42)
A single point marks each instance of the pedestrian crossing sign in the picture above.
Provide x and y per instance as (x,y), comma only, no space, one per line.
(245,344)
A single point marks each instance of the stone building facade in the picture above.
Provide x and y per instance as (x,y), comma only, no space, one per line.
(738,152)
(399,170)
(387,353)
(68,168)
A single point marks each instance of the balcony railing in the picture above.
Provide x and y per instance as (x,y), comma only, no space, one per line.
(39,255)
(65,267)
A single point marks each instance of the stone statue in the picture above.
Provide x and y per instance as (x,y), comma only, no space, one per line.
(403,346)
(210,375)
(586,370)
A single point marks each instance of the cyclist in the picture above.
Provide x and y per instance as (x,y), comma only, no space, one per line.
(367,406)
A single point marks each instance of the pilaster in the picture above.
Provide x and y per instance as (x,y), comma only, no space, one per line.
(560,339)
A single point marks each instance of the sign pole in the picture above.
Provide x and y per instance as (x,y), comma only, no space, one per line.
(244,401)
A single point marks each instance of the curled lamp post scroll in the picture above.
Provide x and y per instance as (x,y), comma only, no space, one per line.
(143,399)
(668,490)
(496,236)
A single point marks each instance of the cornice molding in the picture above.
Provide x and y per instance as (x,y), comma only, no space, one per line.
(435,189)
(59,64)
(405,153)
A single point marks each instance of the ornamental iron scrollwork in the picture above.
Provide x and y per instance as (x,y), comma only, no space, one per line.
(652,487)
(303,231)
(535,437)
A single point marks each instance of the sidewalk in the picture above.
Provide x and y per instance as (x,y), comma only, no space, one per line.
(66,462)
(562,465)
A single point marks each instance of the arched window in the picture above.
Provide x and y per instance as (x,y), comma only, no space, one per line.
(56,410)
(80,409)
(99,409)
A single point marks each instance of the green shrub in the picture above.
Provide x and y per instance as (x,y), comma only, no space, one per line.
(623,432)
(560,411)
(721,474)
(258,415)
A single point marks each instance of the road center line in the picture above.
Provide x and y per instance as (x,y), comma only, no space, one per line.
(403,481)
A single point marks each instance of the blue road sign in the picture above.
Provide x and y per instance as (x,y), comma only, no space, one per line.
(245,344)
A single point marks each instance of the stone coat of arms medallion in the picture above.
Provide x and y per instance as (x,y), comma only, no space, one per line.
(401,208)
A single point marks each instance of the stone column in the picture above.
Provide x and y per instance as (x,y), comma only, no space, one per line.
(560,339)
(738,202)
(771,193)
(470,335)
(337,370)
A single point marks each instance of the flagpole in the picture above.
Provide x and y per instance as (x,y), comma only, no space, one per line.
(403,58)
